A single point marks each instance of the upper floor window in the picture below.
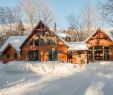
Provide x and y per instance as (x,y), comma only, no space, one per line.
(8,56)
(32,42)
(41,41)
(50,41)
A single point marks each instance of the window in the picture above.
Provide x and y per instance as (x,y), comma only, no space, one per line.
(33,55)
(106,53)
(37,42)
(8,56)
(98,47)
(90,55)
(15,55)
(79,55)
(41,41)
(32,42)
(55,55)
(99,53)
(52,55)
(50,41)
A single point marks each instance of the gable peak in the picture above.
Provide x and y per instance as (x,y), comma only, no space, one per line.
(41,24)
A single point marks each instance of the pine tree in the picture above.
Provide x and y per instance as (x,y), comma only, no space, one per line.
(20,28)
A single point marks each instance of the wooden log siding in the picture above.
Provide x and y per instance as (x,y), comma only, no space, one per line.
(10,51)
(40,31)
(100,39)
(45,51)
(78,57)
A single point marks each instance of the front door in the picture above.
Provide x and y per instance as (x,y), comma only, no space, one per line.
(33,55)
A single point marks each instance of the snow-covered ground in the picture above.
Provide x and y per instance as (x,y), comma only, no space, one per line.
(55,78)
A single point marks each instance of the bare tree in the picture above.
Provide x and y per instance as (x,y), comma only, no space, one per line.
(75,23)
(18,16)
(2,17)
(89,17)
(46,14)
(35,10)
(85,22)
(10,19)
(101,14)
(108,11)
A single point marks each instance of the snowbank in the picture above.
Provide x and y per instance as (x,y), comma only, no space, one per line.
(41,67)
(95,89)
(92,79)
(102,65)
(102,69)
(55,67)
(1,66)
(15,66)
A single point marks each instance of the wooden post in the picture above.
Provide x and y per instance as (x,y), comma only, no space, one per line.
(93,54)
(103,53)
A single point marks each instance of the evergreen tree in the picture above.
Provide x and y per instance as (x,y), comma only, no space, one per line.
(20,28)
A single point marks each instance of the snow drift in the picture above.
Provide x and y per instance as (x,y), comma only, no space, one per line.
(52,78)
(41,67)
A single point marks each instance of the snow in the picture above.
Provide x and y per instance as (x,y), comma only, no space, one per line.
(61,34)
(77,46)
(95,88)
(56,78)
(40,67)
(108,32)
(15,41)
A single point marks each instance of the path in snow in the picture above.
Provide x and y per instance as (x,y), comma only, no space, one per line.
(96,80)
(82,83)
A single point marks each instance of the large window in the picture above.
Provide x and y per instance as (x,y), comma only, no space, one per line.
(106,53)
(15,55)
(42,39)
(99,53)
(52,55)
(33,55)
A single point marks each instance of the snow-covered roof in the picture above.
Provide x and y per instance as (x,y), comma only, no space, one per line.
(15,41)
(59,37)
(63,35)
(108,32)
(77,46)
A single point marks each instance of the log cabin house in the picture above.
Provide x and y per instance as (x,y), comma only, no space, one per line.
(100,45)
(42,44)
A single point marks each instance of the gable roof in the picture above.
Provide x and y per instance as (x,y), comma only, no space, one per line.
(15,41)
(9,45)
(77,46)
(41,24)
(108,32)
(60,38)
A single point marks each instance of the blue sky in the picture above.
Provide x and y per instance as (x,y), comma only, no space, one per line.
(60,8)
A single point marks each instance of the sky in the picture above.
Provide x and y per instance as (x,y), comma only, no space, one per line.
(61,8)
